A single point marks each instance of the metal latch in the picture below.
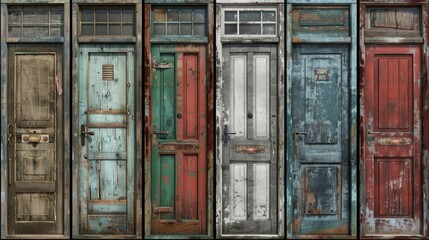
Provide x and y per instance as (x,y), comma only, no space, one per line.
(35,138)
(160,65)
(83,133)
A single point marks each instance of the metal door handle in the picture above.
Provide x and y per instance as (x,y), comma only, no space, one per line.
(225,136)
(161,132)
(301,133)
(232,133)
(369,132)
(83,133)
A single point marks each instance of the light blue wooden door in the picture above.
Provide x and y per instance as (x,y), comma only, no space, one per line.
(107,139)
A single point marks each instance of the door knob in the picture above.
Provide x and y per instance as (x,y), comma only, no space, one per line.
(249,115)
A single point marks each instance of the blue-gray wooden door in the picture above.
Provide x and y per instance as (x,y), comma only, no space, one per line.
(320,120)
(106,178)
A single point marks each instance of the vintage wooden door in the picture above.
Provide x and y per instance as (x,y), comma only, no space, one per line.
(392,141)
(34,140)
(179,164)
(249,160)
(107,139)
(321,163)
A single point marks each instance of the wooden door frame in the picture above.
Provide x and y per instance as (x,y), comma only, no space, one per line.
(65,42)
(148,107)
(138,105)
(279,40)
(353,92)
(424,41)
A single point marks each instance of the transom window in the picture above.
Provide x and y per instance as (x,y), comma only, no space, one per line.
(107,21)
(179,21)
(35,21)
(256,22)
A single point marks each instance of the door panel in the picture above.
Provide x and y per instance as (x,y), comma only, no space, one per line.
(179,164)
(249,161)
(106,123)
(321,164)
(392,146)
(34,140)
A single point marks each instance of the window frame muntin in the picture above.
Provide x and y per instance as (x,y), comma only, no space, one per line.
(249,9)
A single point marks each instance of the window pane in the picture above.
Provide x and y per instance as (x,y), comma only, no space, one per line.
(253,29)
(159,14)
(247,16)
(57,31)
(231,16)
(115,29)
(185,29)
(199,15)
(15,31)
(101,29)
(42,15)
(186,15)
(87,29)
(114,15)
(28,31)
(159,29)
(173,29)
(101,15)
(269,16)
(230,28)
(128,15)
(200,29)
(87,15)
(269,29)
(14,17)
(172,15)
(128,29)
(57,16)
(41,31)
(29,15)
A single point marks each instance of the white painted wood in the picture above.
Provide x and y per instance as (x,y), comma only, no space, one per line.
(238,199)
(239,96)
(262,95)
(261,206)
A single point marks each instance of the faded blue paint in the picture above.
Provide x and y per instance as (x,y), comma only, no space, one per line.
(107,162)
(323,38)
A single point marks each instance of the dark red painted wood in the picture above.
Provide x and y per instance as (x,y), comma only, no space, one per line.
(392,152)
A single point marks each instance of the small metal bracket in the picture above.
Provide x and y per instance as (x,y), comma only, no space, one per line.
(160,65)
(11,135)
(321,74)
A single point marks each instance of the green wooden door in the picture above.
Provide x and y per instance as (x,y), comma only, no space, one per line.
(107,139)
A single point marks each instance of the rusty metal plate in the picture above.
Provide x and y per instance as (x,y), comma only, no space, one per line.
(175,147)
(394,141)
(321,190)
(249,149)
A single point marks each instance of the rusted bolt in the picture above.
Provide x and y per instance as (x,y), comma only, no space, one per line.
(331,140)
(312,140)
(45,139)
(25,138)
(332,211)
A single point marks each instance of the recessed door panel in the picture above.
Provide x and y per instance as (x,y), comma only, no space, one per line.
(106,124)
(320,120)
(249,160)
(179,164)
(392,145)
(34,145)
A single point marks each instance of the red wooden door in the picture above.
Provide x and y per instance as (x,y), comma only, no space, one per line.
(392,141)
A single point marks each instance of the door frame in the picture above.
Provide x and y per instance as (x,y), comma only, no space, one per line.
(279,40)
(136,40)
(424,41)
(351,41)
(148,41)
(51,41)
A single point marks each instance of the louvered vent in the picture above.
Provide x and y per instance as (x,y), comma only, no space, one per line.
(108,72)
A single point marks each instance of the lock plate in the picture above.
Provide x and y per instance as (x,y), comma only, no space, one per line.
(35,138)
